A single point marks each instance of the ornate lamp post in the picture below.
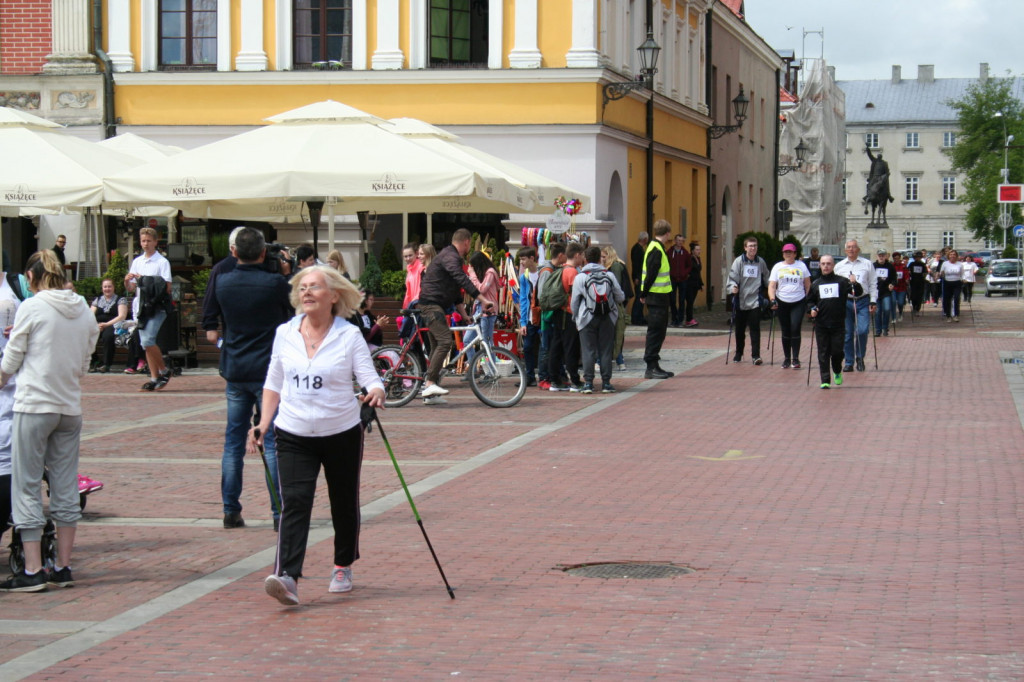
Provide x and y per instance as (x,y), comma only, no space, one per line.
(801,156)
(740,103)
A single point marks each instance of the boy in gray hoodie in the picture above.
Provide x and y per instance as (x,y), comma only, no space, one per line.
(595,300)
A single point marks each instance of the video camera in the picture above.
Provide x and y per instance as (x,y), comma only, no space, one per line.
(276,257)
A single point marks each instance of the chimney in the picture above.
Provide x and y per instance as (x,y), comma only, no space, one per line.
(896,74)
(926,73)
(983,75)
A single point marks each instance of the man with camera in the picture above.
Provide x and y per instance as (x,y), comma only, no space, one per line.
(252,303)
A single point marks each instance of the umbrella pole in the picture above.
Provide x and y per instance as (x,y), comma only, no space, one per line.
(315,209)
(330,224)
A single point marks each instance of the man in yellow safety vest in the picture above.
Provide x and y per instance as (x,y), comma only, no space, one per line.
(655,292)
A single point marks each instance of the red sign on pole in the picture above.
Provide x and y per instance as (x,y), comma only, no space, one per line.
(1011,194)
(153,223)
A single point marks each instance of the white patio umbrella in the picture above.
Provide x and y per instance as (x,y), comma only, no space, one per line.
(46,170)
(545,189)
(140,147)
(311,154)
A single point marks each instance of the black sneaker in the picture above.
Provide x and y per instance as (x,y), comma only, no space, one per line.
(655,373)
(737,359)
(795,364)
(758,361)
(162,380)
(234,520)
(847,368)
(607,388)
(148,386)
(23,582)
(61,578)
(785,364)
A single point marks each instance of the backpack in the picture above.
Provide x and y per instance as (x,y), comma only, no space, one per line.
(534,303)
(553,297)
(597,293)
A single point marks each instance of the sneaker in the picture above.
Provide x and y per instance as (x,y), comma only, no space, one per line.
(104,369)
(234,520)
(148,386)
(737,358)
(607,388)
(956,319)
(129,370)
(656,373)
(622,367)
(900,318)
(847,368)
(758,361)
(88,485)
(587,388)
(795,364)
(61,578)
(23,582)
(531,382)
(579,388)
(839,379)
(432,390)
(283,589)
(162,380)
(557,387)
(825,385)
(885,332)
(341,579)
(544,385)
(785,364)
(692,323)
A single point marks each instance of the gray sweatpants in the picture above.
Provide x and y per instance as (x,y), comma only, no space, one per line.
(49,440)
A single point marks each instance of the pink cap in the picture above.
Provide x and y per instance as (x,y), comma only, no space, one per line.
(788,247)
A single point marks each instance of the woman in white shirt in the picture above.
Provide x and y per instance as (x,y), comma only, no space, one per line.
(315,358)
(970,276)
(788,284)
(951,273)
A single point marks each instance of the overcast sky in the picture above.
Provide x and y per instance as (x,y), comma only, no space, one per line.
(864,38)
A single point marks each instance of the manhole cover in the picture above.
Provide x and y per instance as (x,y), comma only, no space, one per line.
(627,569)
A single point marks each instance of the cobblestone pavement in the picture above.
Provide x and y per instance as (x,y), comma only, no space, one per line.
(869,532)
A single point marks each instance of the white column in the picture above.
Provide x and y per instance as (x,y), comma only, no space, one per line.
(149,37)
(119,34)
(525,53)
(388,55)
(584,53)
(69,25)
(251,55)
(418,30)
(360,29)
(284,57)
(223,35)
(495,14)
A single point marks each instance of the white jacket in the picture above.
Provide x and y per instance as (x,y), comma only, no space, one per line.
(317,398)
(52,340)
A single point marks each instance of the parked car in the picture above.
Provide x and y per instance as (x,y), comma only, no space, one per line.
(983,258)
(1005,276)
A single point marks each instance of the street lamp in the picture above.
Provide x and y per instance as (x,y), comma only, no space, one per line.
(1004,209)
(801,156)
(648,52)
(739,109)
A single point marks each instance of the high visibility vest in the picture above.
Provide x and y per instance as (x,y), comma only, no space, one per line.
(663,282)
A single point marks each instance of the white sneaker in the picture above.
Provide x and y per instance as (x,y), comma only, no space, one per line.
(432,390)
(341,579)
(622,367)
(283,589)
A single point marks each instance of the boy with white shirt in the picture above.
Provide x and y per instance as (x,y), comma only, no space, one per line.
(151,264)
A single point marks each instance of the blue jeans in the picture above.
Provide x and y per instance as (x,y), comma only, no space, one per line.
(242,396)
(883,313)
(546,332)
(861,322)
(900,299)
(531,343)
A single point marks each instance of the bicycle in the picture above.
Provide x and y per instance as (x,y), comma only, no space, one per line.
(496,375)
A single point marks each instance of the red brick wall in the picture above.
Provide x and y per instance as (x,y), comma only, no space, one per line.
(24,35)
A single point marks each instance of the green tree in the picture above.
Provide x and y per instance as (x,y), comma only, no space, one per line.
(980,148)
(389,261)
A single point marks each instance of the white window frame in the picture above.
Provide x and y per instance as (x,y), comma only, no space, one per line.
(991,244)
(912,188)
(910,240)
(949,188)
(948,139)
(871,140)
(949,238)
(913,141)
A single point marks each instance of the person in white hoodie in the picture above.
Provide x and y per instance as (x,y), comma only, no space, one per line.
(50,345)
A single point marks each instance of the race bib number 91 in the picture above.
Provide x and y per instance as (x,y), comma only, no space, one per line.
(829,291)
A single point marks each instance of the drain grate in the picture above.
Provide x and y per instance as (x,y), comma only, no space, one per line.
(630,570)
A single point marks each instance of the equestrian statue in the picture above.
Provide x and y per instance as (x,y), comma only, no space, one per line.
(878,194)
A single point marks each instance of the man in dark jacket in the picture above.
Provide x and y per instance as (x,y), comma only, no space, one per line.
(440,289)
(827,299)
(636,263)
(252,303)
(680,264)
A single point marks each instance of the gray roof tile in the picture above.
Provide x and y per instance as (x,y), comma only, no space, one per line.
(908,100)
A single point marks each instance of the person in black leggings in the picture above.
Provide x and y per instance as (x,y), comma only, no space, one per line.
(788,284)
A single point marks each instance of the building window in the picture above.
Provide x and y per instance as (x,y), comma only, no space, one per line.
(458,33)
(991,244)
(948,239)
(912,185)
(871,140)
(949,188)
(948,139)
(913,141)
(323,33)
(188,34)
(911,240)
(844,189)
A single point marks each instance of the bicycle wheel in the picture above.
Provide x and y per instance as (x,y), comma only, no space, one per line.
(402,377)
(502,384)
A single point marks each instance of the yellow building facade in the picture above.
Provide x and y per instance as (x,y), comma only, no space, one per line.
(522,79)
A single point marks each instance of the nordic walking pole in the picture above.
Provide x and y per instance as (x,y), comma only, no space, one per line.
(367,414)
(810,359)
(856,328)
(874,340)
(771,339)
(732,321)
(274,498)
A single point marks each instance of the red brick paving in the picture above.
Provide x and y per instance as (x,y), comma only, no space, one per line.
(869,532)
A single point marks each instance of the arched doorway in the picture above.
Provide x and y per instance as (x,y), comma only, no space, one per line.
(620,237)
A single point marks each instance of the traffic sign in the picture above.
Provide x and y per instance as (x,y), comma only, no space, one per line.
(1005,220)
(1011,194)
(1018,231)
